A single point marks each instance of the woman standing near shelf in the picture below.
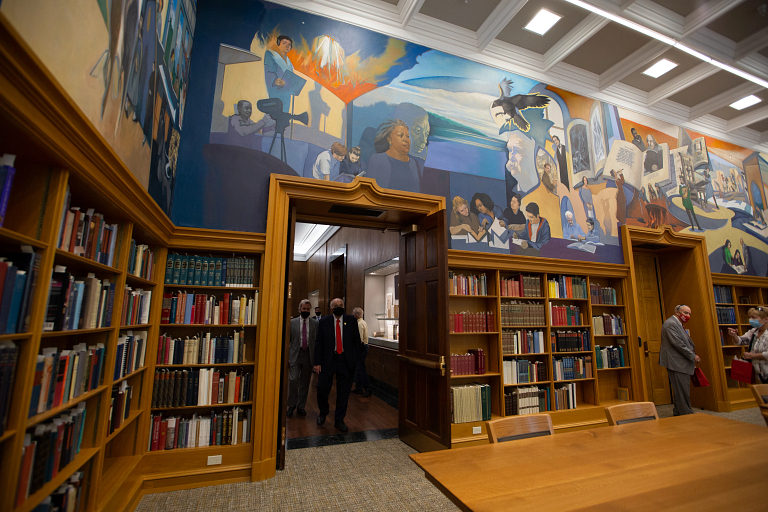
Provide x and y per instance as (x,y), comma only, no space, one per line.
(757,339)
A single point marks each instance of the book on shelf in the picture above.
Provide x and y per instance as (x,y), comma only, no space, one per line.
(565,397)
(725,315)
(569,368)
(62,376)
(521,286)
(564,315)
(18,277)
(522,342)
(135,306)
(202,349)
(200,386)
(66,498)
(522,313)
(201,309)
(459,284)
(470,402)
(609,357)
(182,269)
(602,295)
(87,234)
(141,261)
(119,405)
(8,355)
(130,353)
(7,173)
(526,400)
(570,341)
(78,303)
(468,321)
(567,287)
(48,449)
(523,371)
(723,294)
(471,363)
(227,427)
(606,324)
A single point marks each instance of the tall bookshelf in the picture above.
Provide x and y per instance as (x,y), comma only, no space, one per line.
(734,297)
(596,387)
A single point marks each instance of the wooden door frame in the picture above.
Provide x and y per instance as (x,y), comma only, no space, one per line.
(283,191)
(713,397)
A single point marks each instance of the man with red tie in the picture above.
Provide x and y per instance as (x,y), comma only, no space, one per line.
(300,356)
(337,349)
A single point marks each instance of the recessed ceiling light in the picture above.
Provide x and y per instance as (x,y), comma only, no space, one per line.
(746,102)
(660,68)
(542,22)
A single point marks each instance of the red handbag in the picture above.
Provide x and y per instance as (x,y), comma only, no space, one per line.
(741,371)
(698,378)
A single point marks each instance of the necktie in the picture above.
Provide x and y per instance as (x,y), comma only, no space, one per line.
(338,336)
(303,335)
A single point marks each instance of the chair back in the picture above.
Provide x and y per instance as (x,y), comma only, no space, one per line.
(761,396)
(513,428)
(631,412)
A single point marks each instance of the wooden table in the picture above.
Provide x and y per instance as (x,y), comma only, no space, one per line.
(695,462)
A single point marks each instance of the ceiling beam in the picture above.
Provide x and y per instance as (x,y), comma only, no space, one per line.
(677,84)
(764,137)
(706,14)
(501,15)
(632,63)
(579,34)
(723,99)
(408,8)
(747,119)
(751,44)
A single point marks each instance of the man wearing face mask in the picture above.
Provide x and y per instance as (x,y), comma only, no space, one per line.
(318,313)
(678,355)
(337,349)
(300,357)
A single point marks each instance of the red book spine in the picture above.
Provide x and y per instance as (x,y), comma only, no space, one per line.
(163,433)
(215,388)
(237,389)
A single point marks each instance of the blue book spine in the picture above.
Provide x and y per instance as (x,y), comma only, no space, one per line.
(5,302)
(132,257)
(119,361)
(9,172)
(184,271)
(191,270)
(79,289)
(217,273)
(174,303)
(35,400)
(176,269)
(211,271)
(230,350)
(204,272)
(110,303)
(198,269)
(169,261)
(188,308)
(18,293)
(224,272)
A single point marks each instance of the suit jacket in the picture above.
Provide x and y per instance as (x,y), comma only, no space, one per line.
(325,343)
(677,351)
(562,164)
(542,235)
(295,347)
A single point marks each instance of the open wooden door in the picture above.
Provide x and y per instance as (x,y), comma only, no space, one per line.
(424,409)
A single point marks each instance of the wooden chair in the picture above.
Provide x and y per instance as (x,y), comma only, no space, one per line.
(513,428)
(761,396)
(631,412)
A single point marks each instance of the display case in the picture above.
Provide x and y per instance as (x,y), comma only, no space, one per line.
(381,307)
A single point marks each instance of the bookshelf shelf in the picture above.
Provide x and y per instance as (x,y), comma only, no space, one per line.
(15,337)
(729,304)
(7,435)
(454,296)
(191,407)
(225,288)
(574,353)
(132,416)
(83,263)
(219,365)
(607,305)
(80,459)
(610,335)
(728,325)
(527,383)
(732,346)
(8,236)
(136,326)
(126,377)
(518,327)
(228,326)
(513,297)
(50,413)
(570,326)
(574,380)
(559,299)
(469,333)
(75,332)
(528,354)
(132,279)
(476,375)
(116,470)
(610,369)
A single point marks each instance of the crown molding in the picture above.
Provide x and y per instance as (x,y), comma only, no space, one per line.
(408,8)
(723,99)
(706,13)
(747,119)
(751,44)
(501,15)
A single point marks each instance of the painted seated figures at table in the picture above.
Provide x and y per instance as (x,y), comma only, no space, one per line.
(536,233)
(464,222)
(513,216)
(594,233)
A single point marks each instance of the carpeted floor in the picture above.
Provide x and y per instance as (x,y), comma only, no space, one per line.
(751,415)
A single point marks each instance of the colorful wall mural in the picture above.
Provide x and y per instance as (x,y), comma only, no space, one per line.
(525,167)
(126,65)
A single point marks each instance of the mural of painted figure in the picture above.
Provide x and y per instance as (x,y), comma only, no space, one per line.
(571,230)
(242,124)
(536,233)
(391,166)
(327,164)
(464,222)
(485,209)
(654,156)
(511,107)
(418,120)
(351,166)
(276,65)
(585,194)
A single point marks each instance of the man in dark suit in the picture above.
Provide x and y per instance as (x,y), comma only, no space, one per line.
(300,358)
(562,161)
(337,349)
(678,355)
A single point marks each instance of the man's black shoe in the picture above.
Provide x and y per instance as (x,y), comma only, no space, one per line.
(320,420)
(290,411)
(341,426)
(301,412)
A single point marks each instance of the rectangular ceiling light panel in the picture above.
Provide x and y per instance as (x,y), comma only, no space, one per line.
(660,68)
(542,22)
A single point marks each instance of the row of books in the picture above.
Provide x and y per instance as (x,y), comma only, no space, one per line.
(568,287)
(204,386)
(471,363)
(87,234)
(48,449)
(470,402)
(570,341)
(523,371)
(602,295)
(526,400)
(523,286)
(141,261)
(459,284)
(202,349)
(18,277)
(67,498)
(519,313)
(608,324)
(723,294)
(565,397)
(468,321)
(181,269)
(522,342)
(609,357)
(135,306)
(78,303)
(131,350)
(7,173)
(62,376)
(226,427)
(119,405)
(569,368)
(725,315)
(564,315)
(9,352)
(190,309)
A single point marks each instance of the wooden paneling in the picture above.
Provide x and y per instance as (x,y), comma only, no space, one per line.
(382,364)
(317,274)
(299,286)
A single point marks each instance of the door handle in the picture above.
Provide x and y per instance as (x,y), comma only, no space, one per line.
(427,363)
(645,348)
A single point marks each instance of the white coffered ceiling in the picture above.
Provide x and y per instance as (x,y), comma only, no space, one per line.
(589,54)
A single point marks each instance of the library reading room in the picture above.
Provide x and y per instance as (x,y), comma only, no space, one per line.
(385,255)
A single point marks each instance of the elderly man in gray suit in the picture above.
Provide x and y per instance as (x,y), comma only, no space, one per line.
(300,358)
(678,355)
